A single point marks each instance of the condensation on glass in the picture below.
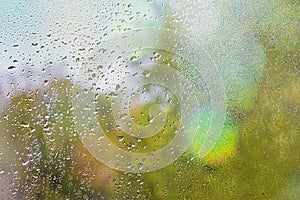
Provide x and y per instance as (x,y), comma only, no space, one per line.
(149,99)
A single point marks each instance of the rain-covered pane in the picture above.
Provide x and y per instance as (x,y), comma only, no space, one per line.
(149,99)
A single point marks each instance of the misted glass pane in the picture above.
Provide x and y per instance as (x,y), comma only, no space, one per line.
(149,99)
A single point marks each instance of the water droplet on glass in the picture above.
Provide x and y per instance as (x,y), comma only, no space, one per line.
(12,67)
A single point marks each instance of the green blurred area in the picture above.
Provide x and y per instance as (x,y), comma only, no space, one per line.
(257,157)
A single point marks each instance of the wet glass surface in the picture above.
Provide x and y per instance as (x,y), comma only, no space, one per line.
(149,99)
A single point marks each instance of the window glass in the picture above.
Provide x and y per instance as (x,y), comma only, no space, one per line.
(149,99)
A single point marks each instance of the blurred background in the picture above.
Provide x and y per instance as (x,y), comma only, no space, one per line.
(47,49)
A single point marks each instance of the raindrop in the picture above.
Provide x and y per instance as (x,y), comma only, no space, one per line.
(133,58)
(121,138)
(24,163)
(140,166)
(24,124)
(147,73)
(12,67)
